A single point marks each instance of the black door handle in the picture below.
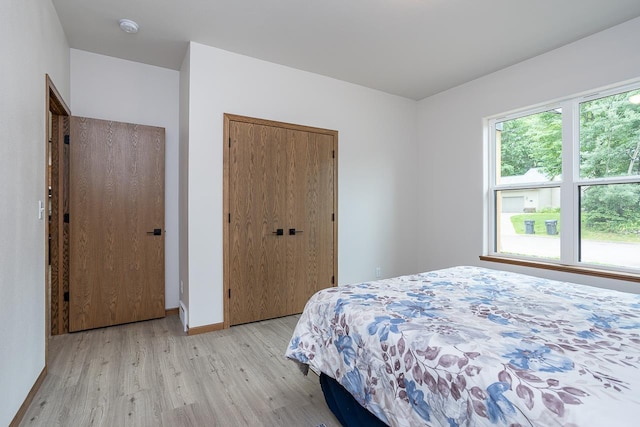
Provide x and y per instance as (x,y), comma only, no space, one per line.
(278,232)
(155,232)
(293,231)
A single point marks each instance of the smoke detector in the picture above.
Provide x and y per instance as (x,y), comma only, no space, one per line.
(128,26)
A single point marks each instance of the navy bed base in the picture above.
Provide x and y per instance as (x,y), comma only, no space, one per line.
(345,407)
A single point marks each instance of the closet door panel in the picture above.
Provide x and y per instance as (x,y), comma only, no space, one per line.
(309,210)
(257,203)
(280,238)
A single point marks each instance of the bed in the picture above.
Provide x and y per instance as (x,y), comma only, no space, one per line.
(470,346)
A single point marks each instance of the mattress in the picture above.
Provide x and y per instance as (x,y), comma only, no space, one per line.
(470,346)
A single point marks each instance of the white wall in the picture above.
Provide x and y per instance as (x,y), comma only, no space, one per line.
(32,44)
(109,88)
(184,178)
(377,165)
(453,152)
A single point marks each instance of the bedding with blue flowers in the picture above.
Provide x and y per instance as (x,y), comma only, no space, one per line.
(470,346)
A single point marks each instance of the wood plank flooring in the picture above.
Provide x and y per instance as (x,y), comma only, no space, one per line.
(152,374)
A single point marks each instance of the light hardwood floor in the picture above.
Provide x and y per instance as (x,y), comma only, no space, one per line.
(151,374)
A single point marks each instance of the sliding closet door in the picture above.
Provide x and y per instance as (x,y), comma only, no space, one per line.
(281,231)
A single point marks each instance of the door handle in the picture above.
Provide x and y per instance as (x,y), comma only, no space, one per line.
(293,231)
(278,232)
(155,232)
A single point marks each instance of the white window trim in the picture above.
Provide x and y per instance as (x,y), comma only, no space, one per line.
(569,189)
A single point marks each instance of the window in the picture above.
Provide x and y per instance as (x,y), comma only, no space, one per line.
(565,182)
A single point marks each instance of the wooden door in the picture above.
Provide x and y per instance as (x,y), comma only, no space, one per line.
(310,211)
(116,223)
(280,242)
(257,186)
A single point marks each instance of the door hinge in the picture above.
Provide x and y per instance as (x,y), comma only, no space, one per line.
(65,296)
(229,292)
(229,142)
(66,139)
(333,154)
(66,218)
(229,218)
(333,217)
(333,280)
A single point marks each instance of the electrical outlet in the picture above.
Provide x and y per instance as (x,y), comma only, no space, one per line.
(181,287)
(378,273)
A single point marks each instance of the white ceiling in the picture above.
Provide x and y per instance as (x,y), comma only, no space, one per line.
(412,48)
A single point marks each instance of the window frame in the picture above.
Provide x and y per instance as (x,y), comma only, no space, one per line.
(569,185)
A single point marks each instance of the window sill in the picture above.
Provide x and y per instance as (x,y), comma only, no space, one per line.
(564,268)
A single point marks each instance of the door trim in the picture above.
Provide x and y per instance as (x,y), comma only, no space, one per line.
(226,140)
(54,105)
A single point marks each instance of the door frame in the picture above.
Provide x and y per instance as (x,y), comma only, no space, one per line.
(56,108)
(226,248)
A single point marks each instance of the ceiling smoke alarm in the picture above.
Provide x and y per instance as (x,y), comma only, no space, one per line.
(128,26)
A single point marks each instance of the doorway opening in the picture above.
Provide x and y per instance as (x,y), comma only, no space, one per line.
(57,212)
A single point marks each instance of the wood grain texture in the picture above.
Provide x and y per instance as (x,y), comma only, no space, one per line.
(55,231)
(587,271)
(310,206)
(175,311)
(206,328)
(257,191)
(116,198)
(63,243)
(58,229)
(282,125)
(152,374)
(277,176)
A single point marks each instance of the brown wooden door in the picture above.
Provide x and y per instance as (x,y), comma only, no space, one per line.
(116,202)
(310,210)
(257,188)
(280,178)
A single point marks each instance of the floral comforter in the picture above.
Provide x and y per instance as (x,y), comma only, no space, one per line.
(469,346)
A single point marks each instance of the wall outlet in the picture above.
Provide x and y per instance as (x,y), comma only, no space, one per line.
(378,272)
(181,287)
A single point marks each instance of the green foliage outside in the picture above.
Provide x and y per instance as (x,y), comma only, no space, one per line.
(609,147)
(610,137)
(612,208)
(532,142)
